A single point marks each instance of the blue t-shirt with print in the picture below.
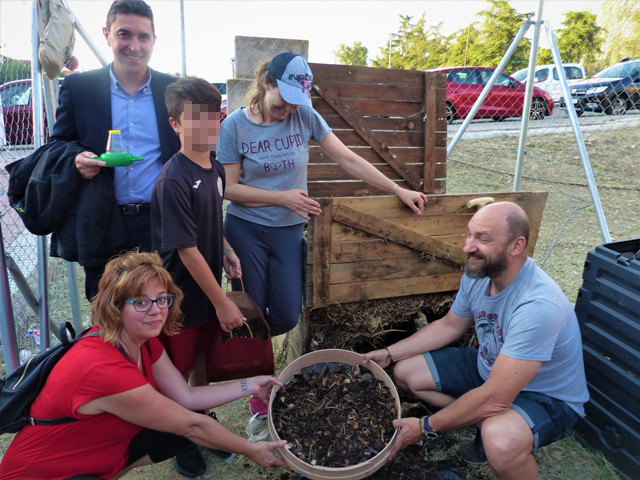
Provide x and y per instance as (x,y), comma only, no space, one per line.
(273,157)
(531,319)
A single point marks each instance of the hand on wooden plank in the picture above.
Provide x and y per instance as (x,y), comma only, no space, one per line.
(414,200)
(299,201)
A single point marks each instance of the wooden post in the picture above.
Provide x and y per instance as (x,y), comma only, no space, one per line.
(322,253)
(430,104)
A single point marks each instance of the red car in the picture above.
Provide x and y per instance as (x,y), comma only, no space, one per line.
(505,99)
(15,98)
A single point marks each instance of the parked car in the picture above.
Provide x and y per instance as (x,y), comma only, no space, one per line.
(614,90)
(17,112)
(547,78)
(505,99)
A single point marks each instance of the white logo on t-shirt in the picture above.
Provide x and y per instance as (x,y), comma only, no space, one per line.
(220,187)
(197,184)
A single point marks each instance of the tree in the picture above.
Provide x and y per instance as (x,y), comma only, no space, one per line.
(500,25)
(621,21)
(460,44)
(414,47)
(545,56)
(12,69)
(352,55)
(580,39)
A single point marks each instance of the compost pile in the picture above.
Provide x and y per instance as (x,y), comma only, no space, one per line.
(365,326)
(253,328)
(334,415)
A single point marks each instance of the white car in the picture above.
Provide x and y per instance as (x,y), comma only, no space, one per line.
(546,77)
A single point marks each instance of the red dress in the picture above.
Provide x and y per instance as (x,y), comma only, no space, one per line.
(97,444)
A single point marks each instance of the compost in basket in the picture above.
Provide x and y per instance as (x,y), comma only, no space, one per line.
(334,415)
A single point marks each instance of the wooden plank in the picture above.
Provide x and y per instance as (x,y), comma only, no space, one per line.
(430,101)
(430,226)
(397,92)
(390,231)
(403,124)
(389,208)
(371,107)
(321,261)
(354,189)
(371,248)
(441,105)
(351,138)
(343,73)
(406,155)
(367,135)
(332,171)
(362,291)
(534,209)
(387,270)
(327,171)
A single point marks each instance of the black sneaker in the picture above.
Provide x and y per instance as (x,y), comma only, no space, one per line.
(473,451)
(218,453)
(189,462)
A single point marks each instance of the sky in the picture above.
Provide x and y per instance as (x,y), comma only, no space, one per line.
(211,26)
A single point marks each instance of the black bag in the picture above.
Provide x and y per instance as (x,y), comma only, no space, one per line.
(19,390)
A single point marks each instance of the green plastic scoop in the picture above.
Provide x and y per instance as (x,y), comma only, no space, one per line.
(119,159)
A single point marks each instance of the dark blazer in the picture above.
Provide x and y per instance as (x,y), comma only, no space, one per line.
(91,230)
(84,111)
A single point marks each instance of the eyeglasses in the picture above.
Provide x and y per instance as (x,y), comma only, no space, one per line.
(144,305)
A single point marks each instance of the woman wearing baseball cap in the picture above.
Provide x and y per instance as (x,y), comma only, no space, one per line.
(265,151)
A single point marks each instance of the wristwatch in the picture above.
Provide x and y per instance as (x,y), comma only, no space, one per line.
(426,429)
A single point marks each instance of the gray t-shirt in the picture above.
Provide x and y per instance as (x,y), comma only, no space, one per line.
(533,320)
(273,157)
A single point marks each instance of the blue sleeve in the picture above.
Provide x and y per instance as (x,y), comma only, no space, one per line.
(229,152)
(532,331)
(319,127)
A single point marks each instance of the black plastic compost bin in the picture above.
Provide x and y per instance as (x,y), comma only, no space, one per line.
(608,309)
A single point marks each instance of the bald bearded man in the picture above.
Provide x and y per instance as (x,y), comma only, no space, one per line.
(524,385)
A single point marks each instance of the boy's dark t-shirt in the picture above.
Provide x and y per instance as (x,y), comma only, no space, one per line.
(186,211)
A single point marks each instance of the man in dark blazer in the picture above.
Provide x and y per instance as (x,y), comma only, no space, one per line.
(112,213)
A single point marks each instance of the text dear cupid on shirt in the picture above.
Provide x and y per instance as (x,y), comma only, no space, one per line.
(279,144)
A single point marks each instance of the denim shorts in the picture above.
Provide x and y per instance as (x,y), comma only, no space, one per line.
(455,372)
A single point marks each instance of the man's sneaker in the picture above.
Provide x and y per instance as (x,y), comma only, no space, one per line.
(189,462)
(473,451)
(258,407)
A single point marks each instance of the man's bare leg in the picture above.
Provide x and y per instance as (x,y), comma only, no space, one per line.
(414,375)
(508,442)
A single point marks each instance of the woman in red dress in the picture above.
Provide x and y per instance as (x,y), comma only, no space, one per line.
(133,407)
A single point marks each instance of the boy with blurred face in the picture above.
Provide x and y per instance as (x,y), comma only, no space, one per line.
(186,212)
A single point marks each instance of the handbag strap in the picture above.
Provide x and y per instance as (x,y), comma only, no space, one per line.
(248,328)
(229,285)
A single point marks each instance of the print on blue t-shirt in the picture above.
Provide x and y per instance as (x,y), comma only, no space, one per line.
(533,320)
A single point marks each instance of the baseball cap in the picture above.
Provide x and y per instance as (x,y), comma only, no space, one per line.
(294,78)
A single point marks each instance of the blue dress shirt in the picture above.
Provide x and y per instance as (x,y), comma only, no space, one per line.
(135,117)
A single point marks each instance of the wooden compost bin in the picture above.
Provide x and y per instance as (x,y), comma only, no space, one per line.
(365,246)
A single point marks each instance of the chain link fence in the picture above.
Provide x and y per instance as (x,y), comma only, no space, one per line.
(16,142)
